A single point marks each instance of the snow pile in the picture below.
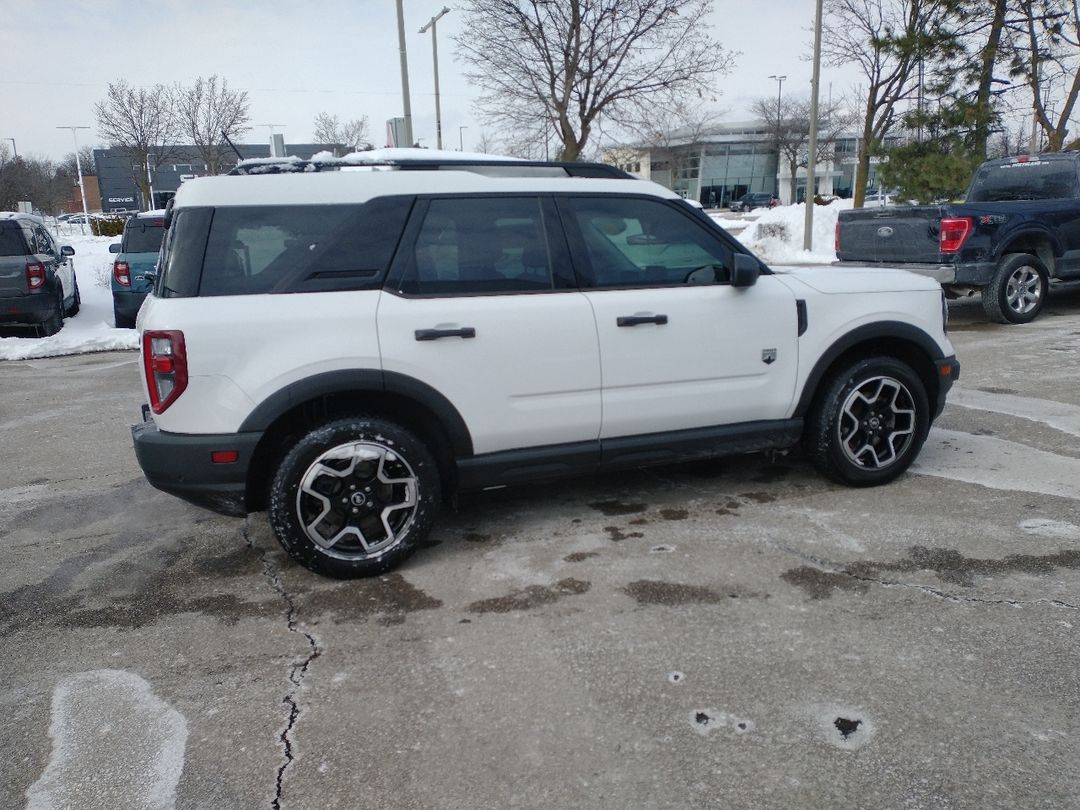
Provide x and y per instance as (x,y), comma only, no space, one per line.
(92,329)
(776,234)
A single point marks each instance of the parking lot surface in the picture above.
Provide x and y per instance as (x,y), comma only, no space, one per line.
(740,633)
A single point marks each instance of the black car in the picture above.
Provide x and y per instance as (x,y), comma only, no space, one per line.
(754,199)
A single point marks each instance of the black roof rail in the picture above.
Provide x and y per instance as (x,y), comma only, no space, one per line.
(503,168)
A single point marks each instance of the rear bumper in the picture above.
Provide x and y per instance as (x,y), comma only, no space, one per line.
(180,464)
(34,307)
(968,274)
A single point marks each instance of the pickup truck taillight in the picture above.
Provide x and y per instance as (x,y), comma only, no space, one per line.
(35,275)
(122,273)
(164,356)
(954,232)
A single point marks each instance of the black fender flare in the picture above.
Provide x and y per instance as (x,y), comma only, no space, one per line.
(889,330)
(361,380)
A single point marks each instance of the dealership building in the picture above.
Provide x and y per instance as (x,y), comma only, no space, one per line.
(120,192)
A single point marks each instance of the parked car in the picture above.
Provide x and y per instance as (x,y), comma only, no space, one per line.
(346,349)
(755,199)
(133,268)
(1014,234)
(37,278)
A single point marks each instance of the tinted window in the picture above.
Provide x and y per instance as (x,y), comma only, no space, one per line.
(635,242)
(479,246)
(301,248)
(142,236)
(182,253)
(43,242)
(1037,179)
(11,239)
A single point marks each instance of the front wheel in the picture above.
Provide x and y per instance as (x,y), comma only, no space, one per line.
(1017,292)
(354,497)
(869,423)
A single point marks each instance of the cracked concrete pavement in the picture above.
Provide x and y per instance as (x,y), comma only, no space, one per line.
(739,633)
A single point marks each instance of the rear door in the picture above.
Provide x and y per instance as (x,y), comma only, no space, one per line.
(680,347)
(483,309)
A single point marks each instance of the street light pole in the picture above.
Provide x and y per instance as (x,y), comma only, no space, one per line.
(405,103)
(811,160)
(435,61)
(779,95)
(460,140)
(13,147)
(78,170)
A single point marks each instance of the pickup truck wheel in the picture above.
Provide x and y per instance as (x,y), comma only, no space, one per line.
(869,422)
(1017,292)
(354,497)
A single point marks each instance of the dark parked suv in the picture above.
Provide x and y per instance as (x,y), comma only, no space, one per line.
(37,277)
(755,199)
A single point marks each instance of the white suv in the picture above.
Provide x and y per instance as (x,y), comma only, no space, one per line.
(348,348)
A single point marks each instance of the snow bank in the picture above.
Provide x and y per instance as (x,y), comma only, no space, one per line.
(776,234)
(92,329)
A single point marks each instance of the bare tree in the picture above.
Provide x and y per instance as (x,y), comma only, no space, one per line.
(209,112)
(674,139)
(86,161)
(143,123)
(887,40)
(561,64)
(352,135)
(788,126)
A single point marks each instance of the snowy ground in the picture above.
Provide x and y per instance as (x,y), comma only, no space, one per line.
(92,329)
(775,234)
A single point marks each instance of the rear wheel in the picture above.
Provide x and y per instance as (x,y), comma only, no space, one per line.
(55,319)
(354,497)
(1017,292)
(869,423)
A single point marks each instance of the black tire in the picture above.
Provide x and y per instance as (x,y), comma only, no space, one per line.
(1017,293)
(76,300)
(869,422)
(55,320)
(368,526)
(123,321)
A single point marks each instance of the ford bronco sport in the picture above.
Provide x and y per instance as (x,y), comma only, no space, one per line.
(345,349)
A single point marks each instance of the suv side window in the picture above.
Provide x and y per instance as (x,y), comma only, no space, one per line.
(479,245)
(44,241)
(634,242)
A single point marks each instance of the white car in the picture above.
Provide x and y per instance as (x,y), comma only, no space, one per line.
(347,348)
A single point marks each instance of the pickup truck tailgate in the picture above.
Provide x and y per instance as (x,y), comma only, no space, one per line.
(891,233)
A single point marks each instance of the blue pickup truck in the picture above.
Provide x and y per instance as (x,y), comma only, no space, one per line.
(1017,231)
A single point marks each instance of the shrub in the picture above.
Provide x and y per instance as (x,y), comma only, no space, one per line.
(773,230)
(107,226)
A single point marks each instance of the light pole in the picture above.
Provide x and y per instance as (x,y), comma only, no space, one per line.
(405,103)
(13,148)
(460,140)
(811,160)
(78,170)
(435,61)
(779,95)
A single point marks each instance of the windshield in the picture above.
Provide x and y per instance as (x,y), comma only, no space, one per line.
(1035,179)
(143,236)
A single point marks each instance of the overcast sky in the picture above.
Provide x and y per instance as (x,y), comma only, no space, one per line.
(301,58)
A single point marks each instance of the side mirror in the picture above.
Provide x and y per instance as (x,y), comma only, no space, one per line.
(114,247)
(67,250)
(745,271)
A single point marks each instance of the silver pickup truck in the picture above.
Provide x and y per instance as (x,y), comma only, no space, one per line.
(37,278)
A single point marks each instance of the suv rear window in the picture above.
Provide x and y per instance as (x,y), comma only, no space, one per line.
(246,250)
(142,236)
(1037,179)
(11,239)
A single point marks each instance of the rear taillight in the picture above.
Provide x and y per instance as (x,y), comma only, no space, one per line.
(836,237)
(165,363)
(122,273)
(35,275)
(954,232)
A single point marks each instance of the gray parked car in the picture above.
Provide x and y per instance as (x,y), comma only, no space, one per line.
(37,277)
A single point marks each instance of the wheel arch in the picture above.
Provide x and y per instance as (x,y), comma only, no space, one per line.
(892,339)
(1042,244)
(302,405)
